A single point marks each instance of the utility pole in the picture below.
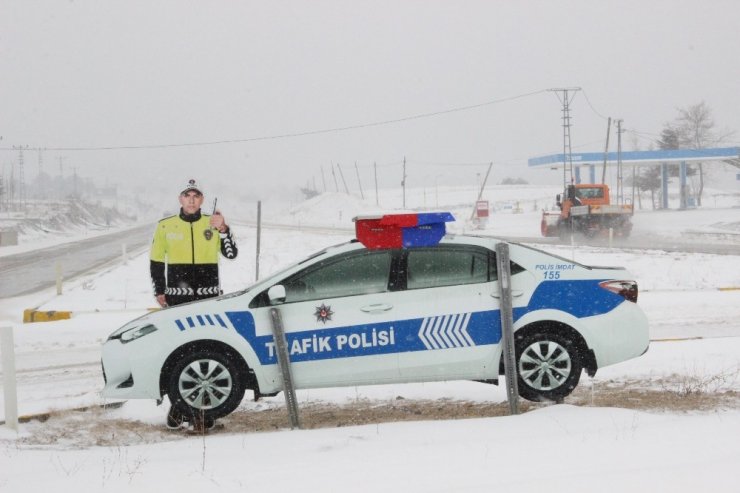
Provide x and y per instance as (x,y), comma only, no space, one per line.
(334,175)
(21,179)
(60,184)
(403,182)
(40,177)
(620,184)
(606,149)
(375,169)
(344,182)
(565,100)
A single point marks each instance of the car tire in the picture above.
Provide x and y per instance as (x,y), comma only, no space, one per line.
(206,384)
(548,366)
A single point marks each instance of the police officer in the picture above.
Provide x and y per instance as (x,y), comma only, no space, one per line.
(187,247)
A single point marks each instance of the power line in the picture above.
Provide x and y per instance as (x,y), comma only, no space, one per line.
(296,134)
(592,106)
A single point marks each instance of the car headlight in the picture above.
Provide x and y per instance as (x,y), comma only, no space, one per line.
(128,334)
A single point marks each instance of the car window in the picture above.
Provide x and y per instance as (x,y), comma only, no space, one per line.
(356,273)
(515,268)
(427,268)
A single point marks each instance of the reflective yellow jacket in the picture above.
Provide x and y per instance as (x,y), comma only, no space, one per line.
(188,249)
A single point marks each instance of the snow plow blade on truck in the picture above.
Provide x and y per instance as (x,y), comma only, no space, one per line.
(586,210)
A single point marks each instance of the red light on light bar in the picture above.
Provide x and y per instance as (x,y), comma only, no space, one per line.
(401,230)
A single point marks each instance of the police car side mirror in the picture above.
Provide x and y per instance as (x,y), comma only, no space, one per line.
(276,294)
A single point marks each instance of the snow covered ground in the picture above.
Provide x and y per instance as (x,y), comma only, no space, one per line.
(695,327)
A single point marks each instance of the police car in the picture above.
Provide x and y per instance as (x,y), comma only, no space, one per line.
(403,303)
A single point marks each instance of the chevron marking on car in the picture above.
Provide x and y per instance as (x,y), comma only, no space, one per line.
(201,320)
(445,332)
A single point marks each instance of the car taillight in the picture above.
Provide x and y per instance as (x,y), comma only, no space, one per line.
(625,289)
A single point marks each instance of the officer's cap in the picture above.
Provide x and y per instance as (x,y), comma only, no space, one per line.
(192,185)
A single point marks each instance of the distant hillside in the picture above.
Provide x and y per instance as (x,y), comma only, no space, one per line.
(63,217)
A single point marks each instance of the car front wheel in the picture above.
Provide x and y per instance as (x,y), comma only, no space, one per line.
(548,366)
(205,383)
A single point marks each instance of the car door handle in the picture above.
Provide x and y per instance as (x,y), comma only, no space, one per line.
(376,308)
(515,293)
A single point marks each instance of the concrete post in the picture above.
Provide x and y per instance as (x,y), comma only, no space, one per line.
(684,187)
(7,348)
(664,186)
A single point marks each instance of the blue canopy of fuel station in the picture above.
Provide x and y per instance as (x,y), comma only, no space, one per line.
(662,157)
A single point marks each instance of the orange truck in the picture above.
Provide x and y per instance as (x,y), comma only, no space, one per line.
(587,209)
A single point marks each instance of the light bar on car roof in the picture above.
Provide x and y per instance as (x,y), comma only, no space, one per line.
(401,230)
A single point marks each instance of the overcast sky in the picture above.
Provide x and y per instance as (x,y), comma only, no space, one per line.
(93,74)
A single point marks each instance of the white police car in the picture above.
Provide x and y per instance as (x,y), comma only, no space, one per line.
(397,306)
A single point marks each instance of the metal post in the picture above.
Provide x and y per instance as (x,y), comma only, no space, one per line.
(344,182)
(359,182)
(334,175)
(7,348)
(58,270)
(508,351)
(259,238)
(281,349)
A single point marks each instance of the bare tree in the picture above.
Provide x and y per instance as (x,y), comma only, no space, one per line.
(695,126)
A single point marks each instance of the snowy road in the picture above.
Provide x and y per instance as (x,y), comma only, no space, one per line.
(24,273)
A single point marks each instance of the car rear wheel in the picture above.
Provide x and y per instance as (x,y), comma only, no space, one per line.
(205,383)
(548,366)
